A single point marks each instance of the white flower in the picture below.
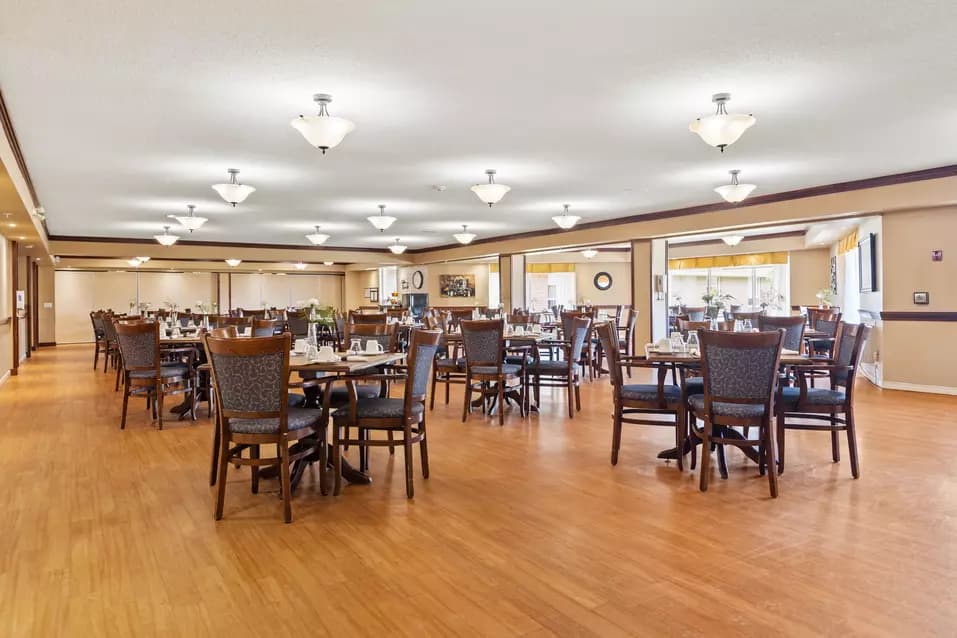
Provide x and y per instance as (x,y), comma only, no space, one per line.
(313,302)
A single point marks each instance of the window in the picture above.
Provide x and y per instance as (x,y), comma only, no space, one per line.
(545,290)
(388,283)
(750,287)
(494,283)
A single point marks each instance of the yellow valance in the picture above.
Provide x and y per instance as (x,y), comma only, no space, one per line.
(847,243)
(727,261)
(493,267)
(547,268)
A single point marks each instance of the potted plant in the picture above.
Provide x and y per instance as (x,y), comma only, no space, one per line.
(825,297)
(715,302)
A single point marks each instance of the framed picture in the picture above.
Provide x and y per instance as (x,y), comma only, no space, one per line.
(603,281)
(867,263)
(921,298)
(374,294)
(405,284)
(834,275)
(456,285)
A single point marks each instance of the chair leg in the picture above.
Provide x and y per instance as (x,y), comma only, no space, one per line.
(116,387)
(448,389)
(407,444)
(705,457)
(223,465)
(214,462)
(126,401)
(467,402)
(835,441)
(769,450)
(616,435)
(391,447)
(571,397)
(852,442)
(323,462)
(501,402)
(722,463)
(284,481)
(424,449)
(254,454)
(159,405)
(363,451)
(336,462)
(578,395)
(435,376)
(681,421)
(780,441)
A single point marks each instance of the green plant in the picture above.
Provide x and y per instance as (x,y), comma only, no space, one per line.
(715,302)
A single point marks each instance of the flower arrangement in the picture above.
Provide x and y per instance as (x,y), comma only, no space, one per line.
(171,305)
(201,306)
(825,297)
(317,312)
(715,302)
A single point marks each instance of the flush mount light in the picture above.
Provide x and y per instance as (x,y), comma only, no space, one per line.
(491,193)
(300,266)
(143,260)
(732,240)
(589,253)
(166,239)
(327,263)
(323,131)
(133,262)
(734,192)
(381,221)
(189,221)
(397,248)
(465,237)
(317,238)
(722,128)
(566,221)
(232,263)
(232,191)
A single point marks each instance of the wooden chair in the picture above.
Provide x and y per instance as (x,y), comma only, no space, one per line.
(111,353)
(267,327)
(356,317)
(626,334)
(564,373)
(484,342)
(297,323)
(239,323)
(253,314)
(449,368)
(823,404)
(385,334)
(144,373)
(588,355)
(740,372)
(793,330)
(405,416)
(640,398)
(684,326)
(456,317)
(250,379)
(99,336)
(753,317)
(695,313)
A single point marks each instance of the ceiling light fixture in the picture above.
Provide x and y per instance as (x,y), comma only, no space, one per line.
(589,253)
(166,239)
(732,240)
(133,262)
(566,221)
(381,221)
(143,260)
(300,266)
(722,128)
(232,191)
(491,193)
(317,238)
(232,263)
(327,263)
(397,248)
(734,192)
(465,237)
(323,131)
(189,221)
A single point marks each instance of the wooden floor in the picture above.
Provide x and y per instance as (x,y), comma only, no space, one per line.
(522,530)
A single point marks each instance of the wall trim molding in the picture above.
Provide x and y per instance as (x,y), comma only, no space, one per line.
(215,244)
(46,344)
(894,315)
(916,387)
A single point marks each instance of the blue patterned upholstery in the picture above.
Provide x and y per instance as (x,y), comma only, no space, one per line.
(793,329)
(419,375)
(844,357)
(295,400)
(250,383)
(742,372)
(518,359)
(734,410)
(557,368)
(298,326)
(138,350)
(298,418)
(483,345)
(378,409)
(649,392)
(266,331)
(827,326)
(694,385)
(578,338)
(818,396)
(166,370)
(507,369)
(449,364)
(695,315)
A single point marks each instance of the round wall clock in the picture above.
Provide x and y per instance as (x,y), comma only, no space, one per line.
(417,280)
(603,281)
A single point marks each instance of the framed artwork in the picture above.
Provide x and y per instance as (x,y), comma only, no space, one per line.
(405,284)
(834,274)
(921,298)
(456,285)
(373,294)
(603,281)
(867,262)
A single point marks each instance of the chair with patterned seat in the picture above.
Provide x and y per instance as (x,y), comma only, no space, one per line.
(564,372)
(834,405)
(793,330)
(633,401)
(485,369)
(267,327)
(695,313)
(250,379)
(405,416)
(740,372)
(143,370)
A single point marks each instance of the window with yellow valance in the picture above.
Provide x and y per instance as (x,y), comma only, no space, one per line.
(847,243)
(493,267)
(726,261)
(547,268)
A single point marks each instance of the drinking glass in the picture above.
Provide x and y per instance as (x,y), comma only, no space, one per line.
(693,345)
(356,346)
(677,342)
(746,325)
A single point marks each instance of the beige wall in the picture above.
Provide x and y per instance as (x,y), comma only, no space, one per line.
(356,283)
(256,290)
(809,271)
(46,317)
(6,307)
(618,294)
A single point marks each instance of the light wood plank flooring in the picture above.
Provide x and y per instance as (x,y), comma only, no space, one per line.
(524,529)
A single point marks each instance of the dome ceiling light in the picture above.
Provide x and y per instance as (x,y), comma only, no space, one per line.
(300,265)
(135,262)
(589,253)
(189,221)
(732,240)
(491,193)
(232,191)
(323,131)
(317,238)
(167,238)
(734,192)
(465,237)
(397,248)
(566,221)
(232,263)
(328,263)
(722,128)
(381,221)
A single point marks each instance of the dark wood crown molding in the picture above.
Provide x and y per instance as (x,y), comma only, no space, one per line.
(214,244)
(893,315)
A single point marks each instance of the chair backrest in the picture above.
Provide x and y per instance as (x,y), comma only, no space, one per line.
(816,315)
(259,314)
(139,344)
(297,323)
(608,336)
(266,327)
(109,327)
(828,326)
(629,321)
(457,316)
(740,367)
(423,344)
(385,334)
(578,333)
(684,326)
(356,317)
(793,330)
(848,349)
(250,376)
(569,316)
(228,332)
(695,313)
(396,313)
(484,341)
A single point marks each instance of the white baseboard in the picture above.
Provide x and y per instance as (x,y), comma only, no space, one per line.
(3,379)
(916,387)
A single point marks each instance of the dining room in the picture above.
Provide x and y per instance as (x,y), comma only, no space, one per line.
(546,334)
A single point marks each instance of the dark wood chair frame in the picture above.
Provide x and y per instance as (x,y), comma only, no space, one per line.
(482,382)
(569,378)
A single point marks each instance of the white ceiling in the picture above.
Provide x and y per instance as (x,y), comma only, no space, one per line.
(129,111)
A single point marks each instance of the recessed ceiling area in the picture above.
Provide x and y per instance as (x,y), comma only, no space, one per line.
(126,114)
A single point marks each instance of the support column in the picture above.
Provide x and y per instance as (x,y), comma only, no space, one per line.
(642,290)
